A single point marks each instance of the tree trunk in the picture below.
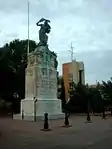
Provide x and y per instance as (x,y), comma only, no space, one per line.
(88,116)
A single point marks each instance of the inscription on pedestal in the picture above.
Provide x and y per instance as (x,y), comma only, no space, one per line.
(29,82)
(48,84)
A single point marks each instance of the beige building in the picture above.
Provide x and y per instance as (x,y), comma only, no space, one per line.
(73,71)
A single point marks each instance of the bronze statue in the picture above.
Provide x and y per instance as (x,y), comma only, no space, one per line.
(44,30)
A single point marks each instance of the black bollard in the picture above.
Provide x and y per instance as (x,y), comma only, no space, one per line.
(66,119)
(35,109)
(66,123)
(22,115)
(88,118)
(46,124)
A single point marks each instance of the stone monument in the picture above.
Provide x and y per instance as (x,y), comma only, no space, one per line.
(41,80)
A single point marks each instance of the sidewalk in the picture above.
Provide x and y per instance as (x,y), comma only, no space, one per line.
(23,134)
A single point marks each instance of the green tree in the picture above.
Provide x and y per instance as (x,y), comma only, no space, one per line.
(6,73)
(86,94)
(106,92)
(107,89)
(61,91)
(13,61)
(80,96)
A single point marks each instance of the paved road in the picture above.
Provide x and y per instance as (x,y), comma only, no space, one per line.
(27,135)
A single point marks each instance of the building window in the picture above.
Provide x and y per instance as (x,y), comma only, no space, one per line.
(70,77)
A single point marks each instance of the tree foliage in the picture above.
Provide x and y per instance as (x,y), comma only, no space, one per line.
(61,91)
(13,61)
(85,98)
(107,89)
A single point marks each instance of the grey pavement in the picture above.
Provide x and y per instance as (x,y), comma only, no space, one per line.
(27,135)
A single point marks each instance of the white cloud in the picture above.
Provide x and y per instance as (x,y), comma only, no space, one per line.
(85,22)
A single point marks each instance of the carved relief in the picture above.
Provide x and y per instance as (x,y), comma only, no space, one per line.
(44,71)
(50,72)
(52,62)
(29,72)
(39,59)
(31,60)
(37,84)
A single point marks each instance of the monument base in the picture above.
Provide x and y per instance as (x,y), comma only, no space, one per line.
(33,110)
(38,117)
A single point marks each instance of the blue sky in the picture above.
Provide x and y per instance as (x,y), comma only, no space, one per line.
(86,23)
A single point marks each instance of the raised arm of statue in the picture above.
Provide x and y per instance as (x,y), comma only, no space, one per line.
(38,24)
(41,20)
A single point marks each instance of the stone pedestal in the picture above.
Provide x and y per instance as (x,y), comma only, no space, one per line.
(35,110)
(41,86)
